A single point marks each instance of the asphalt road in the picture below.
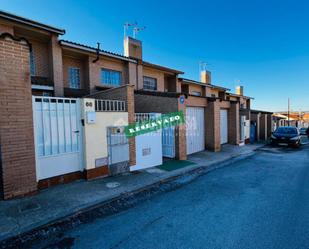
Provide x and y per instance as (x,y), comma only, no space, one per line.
(261,202)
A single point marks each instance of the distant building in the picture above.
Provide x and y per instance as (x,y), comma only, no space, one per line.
(298,119)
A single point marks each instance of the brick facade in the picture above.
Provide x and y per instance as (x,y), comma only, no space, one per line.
(94,74)
(56,65)
(159,104)
(181,139)
(212,129)
(269,125)
(68,62)
(263,127)
(41,58)
(131,112)
(16,123)
(233,124)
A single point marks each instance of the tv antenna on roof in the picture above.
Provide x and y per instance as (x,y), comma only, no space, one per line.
(203,66)
(126,27)
(136,30)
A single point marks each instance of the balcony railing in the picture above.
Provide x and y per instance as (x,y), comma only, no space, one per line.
(103,105)
(41,81)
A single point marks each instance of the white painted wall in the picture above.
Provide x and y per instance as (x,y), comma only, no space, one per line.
(148,150)
(95,135)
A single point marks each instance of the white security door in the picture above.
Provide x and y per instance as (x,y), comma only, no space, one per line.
(242,128)
(148,146)
(168,142)
(57,128)
(118,145)
(224,126)
(195,129)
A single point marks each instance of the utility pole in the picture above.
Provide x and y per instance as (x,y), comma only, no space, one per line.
(288,111)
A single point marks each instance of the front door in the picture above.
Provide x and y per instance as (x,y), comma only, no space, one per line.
(57,129)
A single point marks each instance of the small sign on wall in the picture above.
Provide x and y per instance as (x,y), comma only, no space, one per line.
(90,117)
(182,99)
(89,105)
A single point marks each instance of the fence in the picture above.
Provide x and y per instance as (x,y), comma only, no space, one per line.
(102,105)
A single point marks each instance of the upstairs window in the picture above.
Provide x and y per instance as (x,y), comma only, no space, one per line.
(150,83)
(74,77)
(110,77)
(32,64)
(196,93)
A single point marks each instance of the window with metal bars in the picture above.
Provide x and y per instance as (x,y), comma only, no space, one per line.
(110,77)
(32,64)
(74,77)
(150,83)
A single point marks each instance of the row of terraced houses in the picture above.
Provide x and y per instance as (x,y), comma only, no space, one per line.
(64,107)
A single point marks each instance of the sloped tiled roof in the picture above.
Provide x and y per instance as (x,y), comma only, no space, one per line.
(119,56)
(203,84)
(30,22)
(94,49)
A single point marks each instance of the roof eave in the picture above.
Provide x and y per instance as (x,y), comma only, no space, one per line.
(204,84)
(166,69)
(94,50)
(32,23)
(240,96)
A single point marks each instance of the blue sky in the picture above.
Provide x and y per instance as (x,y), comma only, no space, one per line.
(262,44)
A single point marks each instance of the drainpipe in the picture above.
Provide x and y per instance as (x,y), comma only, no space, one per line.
(137,76)
(98,54)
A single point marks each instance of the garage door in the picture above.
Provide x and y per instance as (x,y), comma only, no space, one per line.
(195,129)
(223,126)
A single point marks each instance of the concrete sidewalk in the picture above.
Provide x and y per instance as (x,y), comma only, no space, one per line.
(23,215)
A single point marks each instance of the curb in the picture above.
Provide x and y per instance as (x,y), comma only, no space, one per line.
(117,204)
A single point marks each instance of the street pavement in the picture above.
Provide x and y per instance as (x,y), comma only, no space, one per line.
(261,202)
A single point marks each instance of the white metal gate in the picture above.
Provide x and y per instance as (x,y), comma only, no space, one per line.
(118,145)
(224,126)
(148,146)
(168,142)
(57,128)
(195,129)
(168,134)
(242,127)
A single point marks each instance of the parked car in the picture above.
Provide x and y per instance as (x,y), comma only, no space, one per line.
(288,135)
(303,131)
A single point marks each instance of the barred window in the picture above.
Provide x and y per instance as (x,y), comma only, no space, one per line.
(150,83)
(110,77)
(74,77)
(196,93)
(32,64)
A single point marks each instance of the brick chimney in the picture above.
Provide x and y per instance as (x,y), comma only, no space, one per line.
(240,90)
(133,48)
(206,76)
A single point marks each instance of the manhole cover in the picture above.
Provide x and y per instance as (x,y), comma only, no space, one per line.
(112,184)
(29,207)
